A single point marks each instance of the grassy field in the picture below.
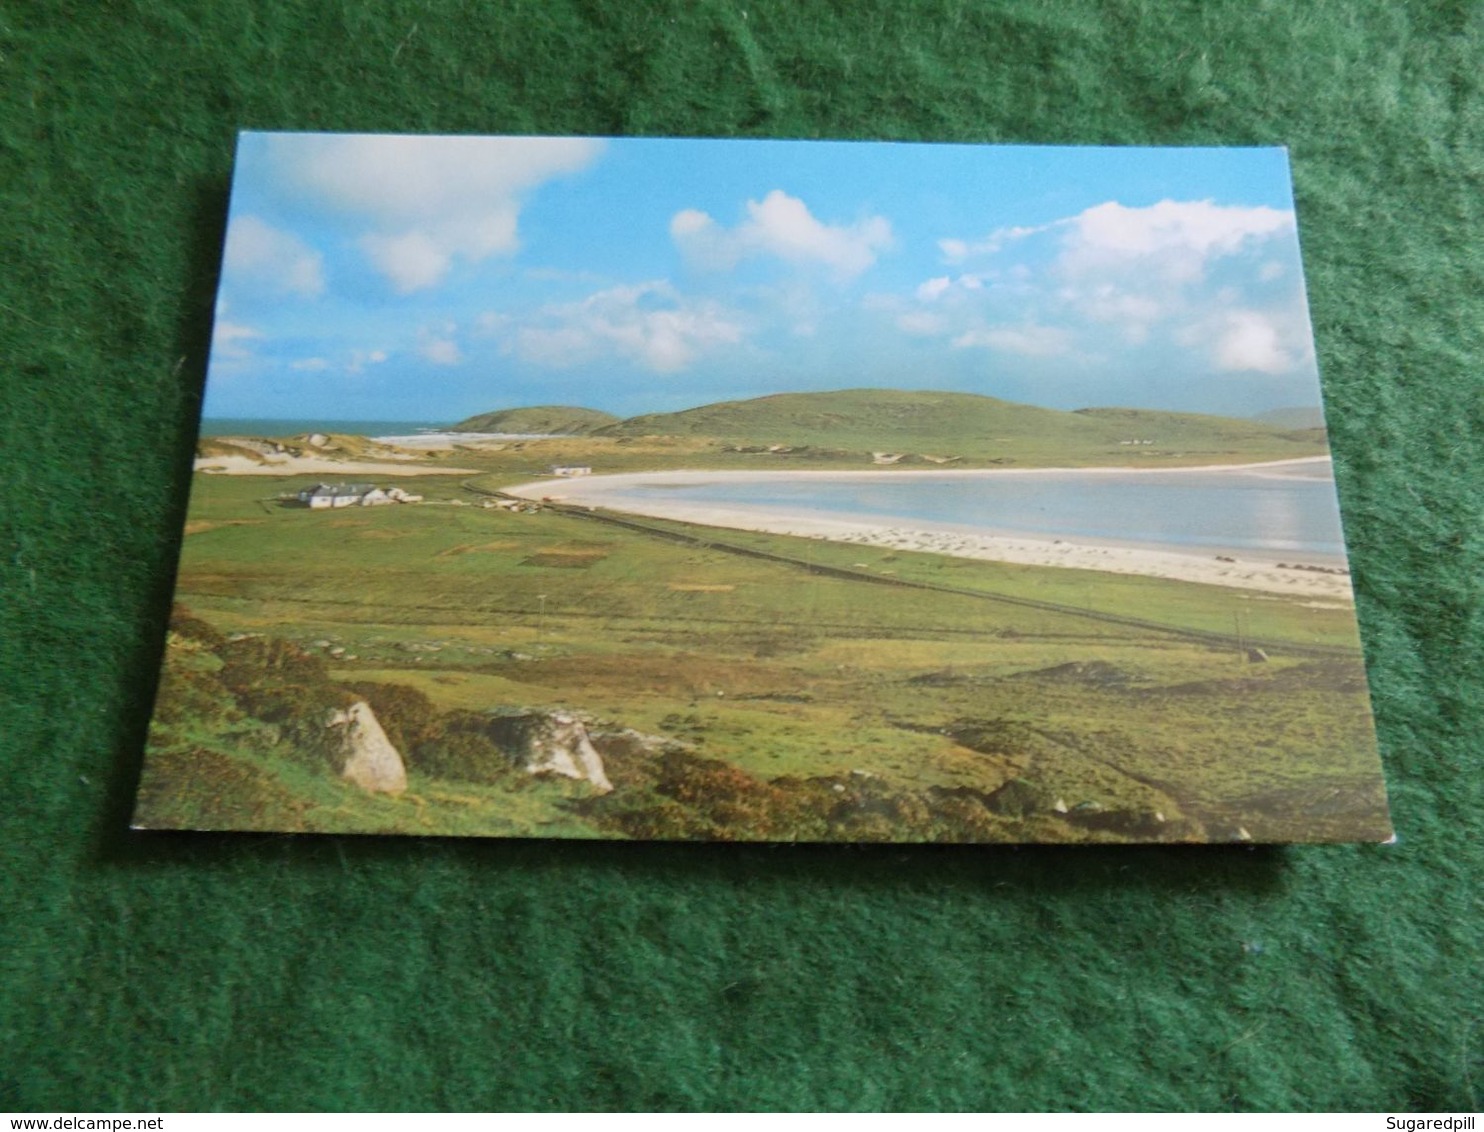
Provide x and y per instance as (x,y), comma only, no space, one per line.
(782,692)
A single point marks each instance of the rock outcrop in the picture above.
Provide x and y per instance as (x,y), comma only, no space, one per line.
(551,742)
(364,755)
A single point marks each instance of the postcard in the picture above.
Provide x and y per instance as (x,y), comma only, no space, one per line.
(762,491)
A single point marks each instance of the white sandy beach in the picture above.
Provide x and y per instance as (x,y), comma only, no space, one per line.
(1249,571)
(1316,466)
(434,441)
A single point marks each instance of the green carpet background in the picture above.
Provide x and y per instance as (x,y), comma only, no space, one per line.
(178,971)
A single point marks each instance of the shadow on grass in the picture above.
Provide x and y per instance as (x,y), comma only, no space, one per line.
(1056,870)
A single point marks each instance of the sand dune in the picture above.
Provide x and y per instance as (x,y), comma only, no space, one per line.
(282,464)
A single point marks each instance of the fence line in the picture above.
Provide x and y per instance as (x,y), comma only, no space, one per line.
(1201,636)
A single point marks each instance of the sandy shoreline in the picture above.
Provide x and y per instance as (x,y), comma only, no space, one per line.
(1280,469)
(1249,570)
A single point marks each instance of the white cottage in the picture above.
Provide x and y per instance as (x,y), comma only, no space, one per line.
(323,496)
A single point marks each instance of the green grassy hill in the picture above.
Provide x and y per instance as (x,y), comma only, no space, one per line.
(968,426)
(1298,416)
(546,419)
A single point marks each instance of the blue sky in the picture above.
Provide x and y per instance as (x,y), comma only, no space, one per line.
(428,278)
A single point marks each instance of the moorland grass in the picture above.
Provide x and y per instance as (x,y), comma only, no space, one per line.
(785,675)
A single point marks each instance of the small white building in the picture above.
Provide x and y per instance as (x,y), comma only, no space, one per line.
(571,470)
(325,495)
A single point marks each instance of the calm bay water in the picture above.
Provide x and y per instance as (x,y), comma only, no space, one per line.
(1290,513)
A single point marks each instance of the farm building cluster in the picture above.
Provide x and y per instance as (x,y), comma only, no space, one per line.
(324,496)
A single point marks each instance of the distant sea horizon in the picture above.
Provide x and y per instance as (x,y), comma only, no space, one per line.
(267,426)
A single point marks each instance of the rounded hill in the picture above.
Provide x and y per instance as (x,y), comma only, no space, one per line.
(543,420)
(849,417)
(968,426)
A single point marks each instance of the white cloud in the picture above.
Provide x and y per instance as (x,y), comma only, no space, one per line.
(1148,275)
(958,309)
(1111,304)
(1174,240)
(1028,340)
(1133,313)
(442,351)
(430,201)
(956,251)
(360,359)
(228,340)
(649,324)
(411,261)
(947,287)
(357,361)
(781,225)
(930,290)
(1250,342)
(260,254)
(691,222)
